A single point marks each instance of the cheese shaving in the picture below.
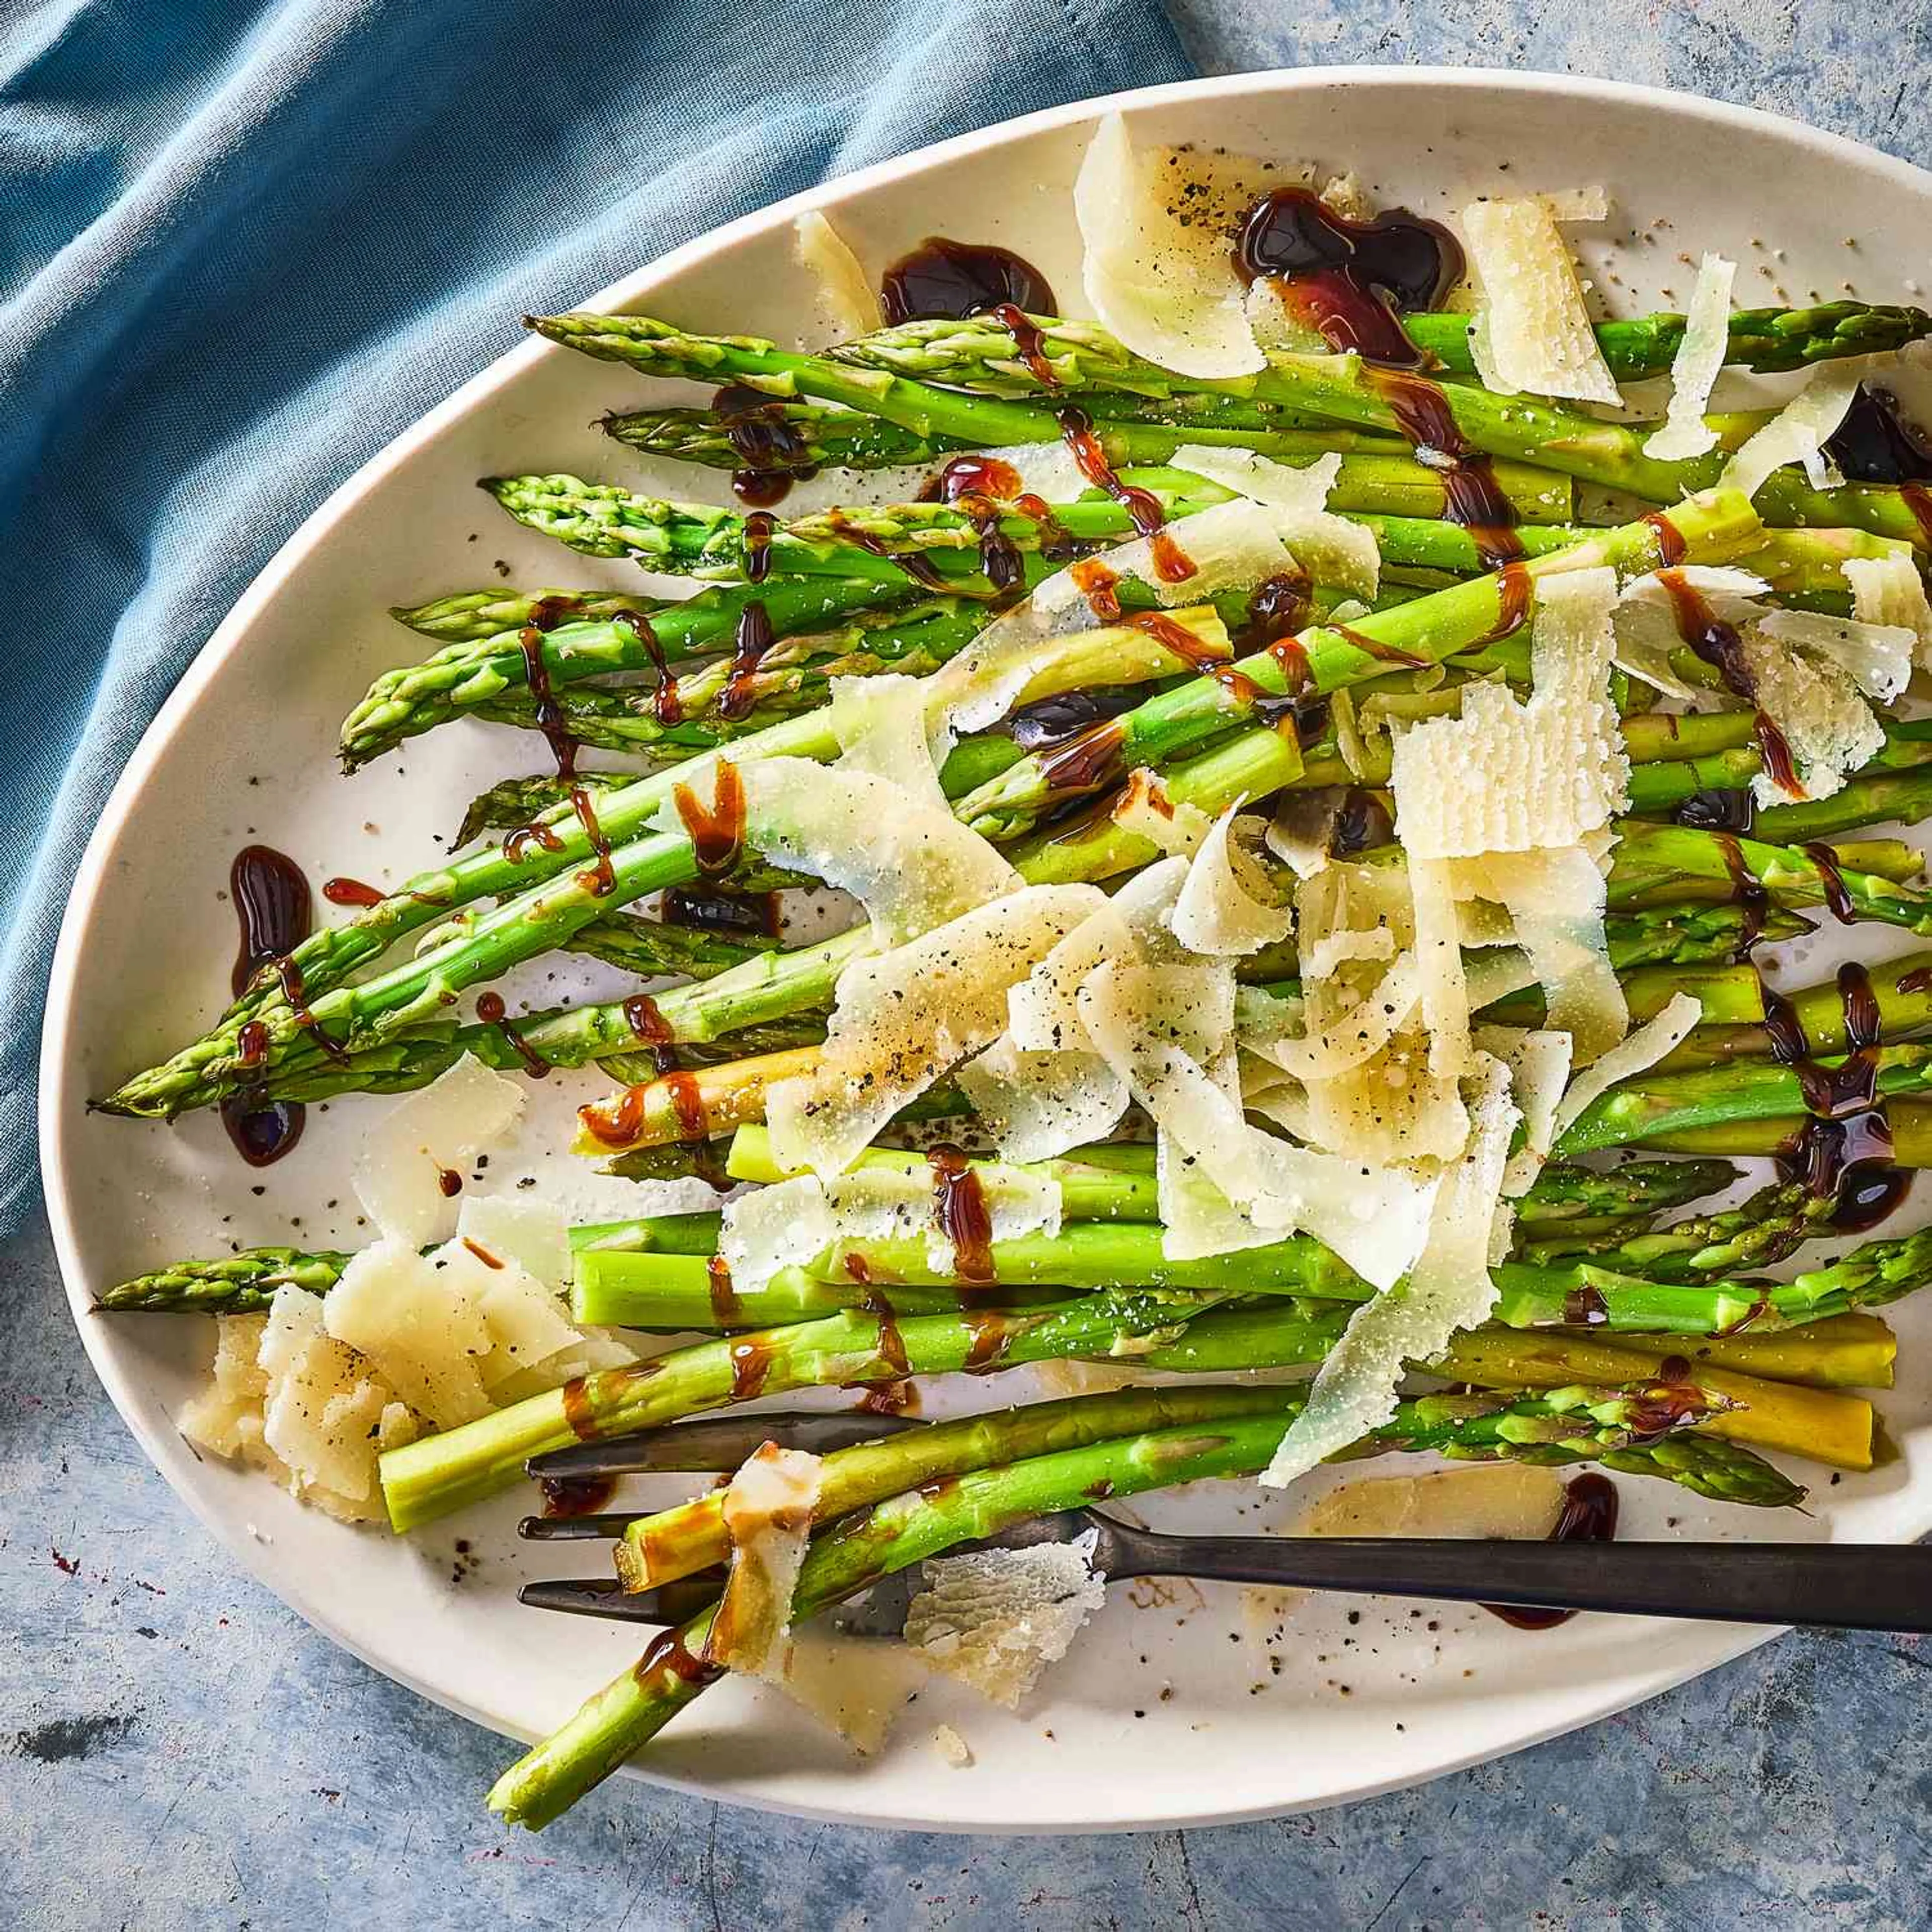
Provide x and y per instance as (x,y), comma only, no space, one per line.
(531,1232)
(901,1020)
(1877,658)
(392,1305)
(1145,809)
(1799,431)
(398,1177)
(1226,905)
(996,1618)
(1645,620)
(1828,728)
(793,1222)
(1645,1047)
(768,1510)
(1168,290)
(1539,1065)
(1449,1289)
(1301,834)
(1508,776)
(842,293)
(1694,368)
(912,865)
(1534,331)
(1034,1105)
(855,1688)
(1889,590)
(1330,549)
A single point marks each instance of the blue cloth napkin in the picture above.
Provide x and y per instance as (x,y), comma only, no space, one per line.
(248,243)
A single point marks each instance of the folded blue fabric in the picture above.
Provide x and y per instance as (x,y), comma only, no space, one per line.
(249,243)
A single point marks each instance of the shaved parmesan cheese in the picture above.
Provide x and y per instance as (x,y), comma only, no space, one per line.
(1449,1289)
(1646,625)
(1168,289)
(1373,1217)
(1877,658)
(1889,590)
(1226,904)
(1049,470)
(884,729)
(1799,431)
(321,1407)
(1827,727)
(532,1233)
(841,291)
(996,1618)
(901,1020)
(392,1305)
(1302,829)
(398,1178)
(953,1747)
(226,1417)
(1443,990)
(1145,810)
(1536,332)
(1556,900)
(1033,1105)
(1694,368)
(1330,549)
(913,866)
(1539,1065)
(1644,1049)
(1507,776)
(793,1222)
(767,1510)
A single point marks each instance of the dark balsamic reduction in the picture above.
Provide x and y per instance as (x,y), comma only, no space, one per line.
(1718,644)
(1350,280)
(743,915)
(1746,892)
(1589,1515)
(642,1016)
(914,566)
(750,1363)
(772,450)
(602,878)
(945,281)
(1171,564)
(492,1012)
(1719,808)
(753,637)
(1100,584)
(1472,496)
(727,1310)
(550,720)
(575,1495)
(1672,550)
(960,1209)
(1875,444)
(717,830)
(351,892)
(1050,722)
(667,707)
(1831,879)
(1844,1149)
(271,898)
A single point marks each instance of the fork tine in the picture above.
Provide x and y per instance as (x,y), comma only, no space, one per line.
(715,1442)
(575,1528)
(602,1596)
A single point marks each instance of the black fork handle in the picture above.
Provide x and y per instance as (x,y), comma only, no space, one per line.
(1831,1586)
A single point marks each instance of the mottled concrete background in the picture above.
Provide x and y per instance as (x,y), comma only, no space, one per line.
(177,1749)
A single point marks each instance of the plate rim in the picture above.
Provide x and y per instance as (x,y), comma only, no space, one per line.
(164,1451)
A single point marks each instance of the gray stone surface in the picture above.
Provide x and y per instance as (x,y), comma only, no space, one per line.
(178,1749)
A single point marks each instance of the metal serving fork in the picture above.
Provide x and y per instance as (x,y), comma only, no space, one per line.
(1837,1586)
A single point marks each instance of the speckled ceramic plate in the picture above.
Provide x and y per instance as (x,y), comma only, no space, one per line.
(1178,1707)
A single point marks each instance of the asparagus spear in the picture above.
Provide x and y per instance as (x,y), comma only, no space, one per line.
(919,1523)
(1426,630)
(688,1537)
(1111,1182)
(969,356)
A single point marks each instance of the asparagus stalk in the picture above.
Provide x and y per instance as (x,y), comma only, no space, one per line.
(1904,1004)
(465,617)
(919,1523)
(970,356)
(672,1544)
(437,1474)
